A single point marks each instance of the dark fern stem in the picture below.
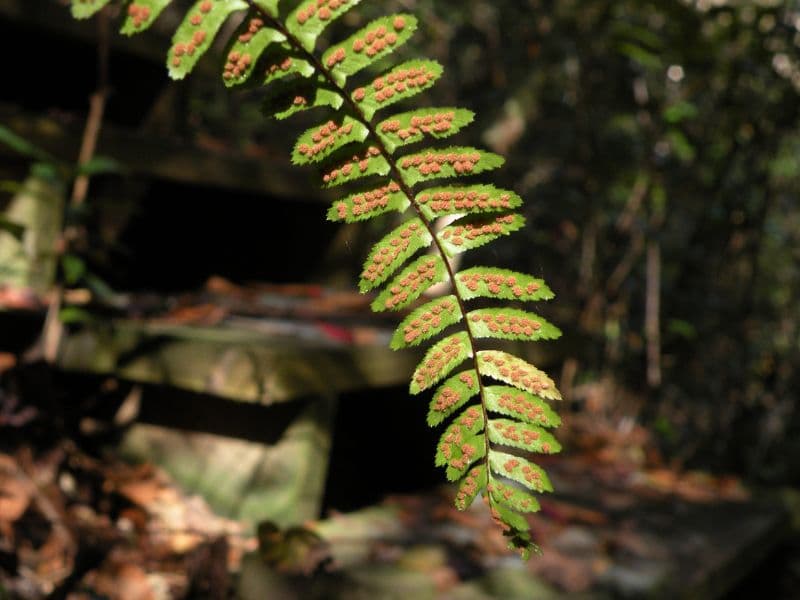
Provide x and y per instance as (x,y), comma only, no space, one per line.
(480,449)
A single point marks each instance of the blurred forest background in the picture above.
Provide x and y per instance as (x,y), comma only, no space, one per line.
(656,143)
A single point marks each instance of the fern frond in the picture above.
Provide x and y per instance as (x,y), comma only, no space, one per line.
(511,324)
(350,146)
(368,204)
(426,322)
(196,33)
(392,251)
(141,14)
(83,9)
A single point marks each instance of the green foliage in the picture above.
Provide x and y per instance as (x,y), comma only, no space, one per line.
(83,9)
(351,146)
(141,14)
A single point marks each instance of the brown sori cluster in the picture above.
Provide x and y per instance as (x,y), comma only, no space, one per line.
(362,162)
(284,65)
(323,137)
(368,201)
(521,406)
(388,254)
(447,396)
(299,101)
(519,372)
(322,9)
(396,82)
(530,474)
(507,492)
(455,440)
(426,271)
(139,14)
(434,364)
(495,283)
(253,28)
(430,319)
(377,39)
(237,64)
(198,37)
(439,122)
(472,232)
(464,200)
(508,324)
(432,162)
(468,489)
(514,433)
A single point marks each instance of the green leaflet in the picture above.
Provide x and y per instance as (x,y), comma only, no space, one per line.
(141,14)
(280,62)
(452,395)
(320,142)
(487,282)
(370,162)
(448,162)
(520,470)
(310,18)
(513,497)
(391,252)
(468,488)
(247,44)
(414,126)
(473,231)
(515,371)
(517,522)
(426,321)
(365,205)
(290,97)
(511,324)
(402,82)
(521,405)
(83,9)
(441,201)
(523,436)
(368,45)
(410,284)
(440,360)
(196,33)
(462,443)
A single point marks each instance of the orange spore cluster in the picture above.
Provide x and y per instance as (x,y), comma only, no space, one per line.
(438,123)
(468,489)
(283,66)
(198,37)
(471,416)
(237,64)
(360,162)
(388,255)
(520,406)
(514,433)
(435,363)
(448,201)
(400,292)
(385,88)
(139,14)
(511,324)
(324,137)
(321,9)
(507,492)
(336,57)
(532,475)
(496,283)
(446,398)
(368,201)
(433,162)
(299,101)
(517,371)
(429,320)
(456,235)
(253,27)
(378,39)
